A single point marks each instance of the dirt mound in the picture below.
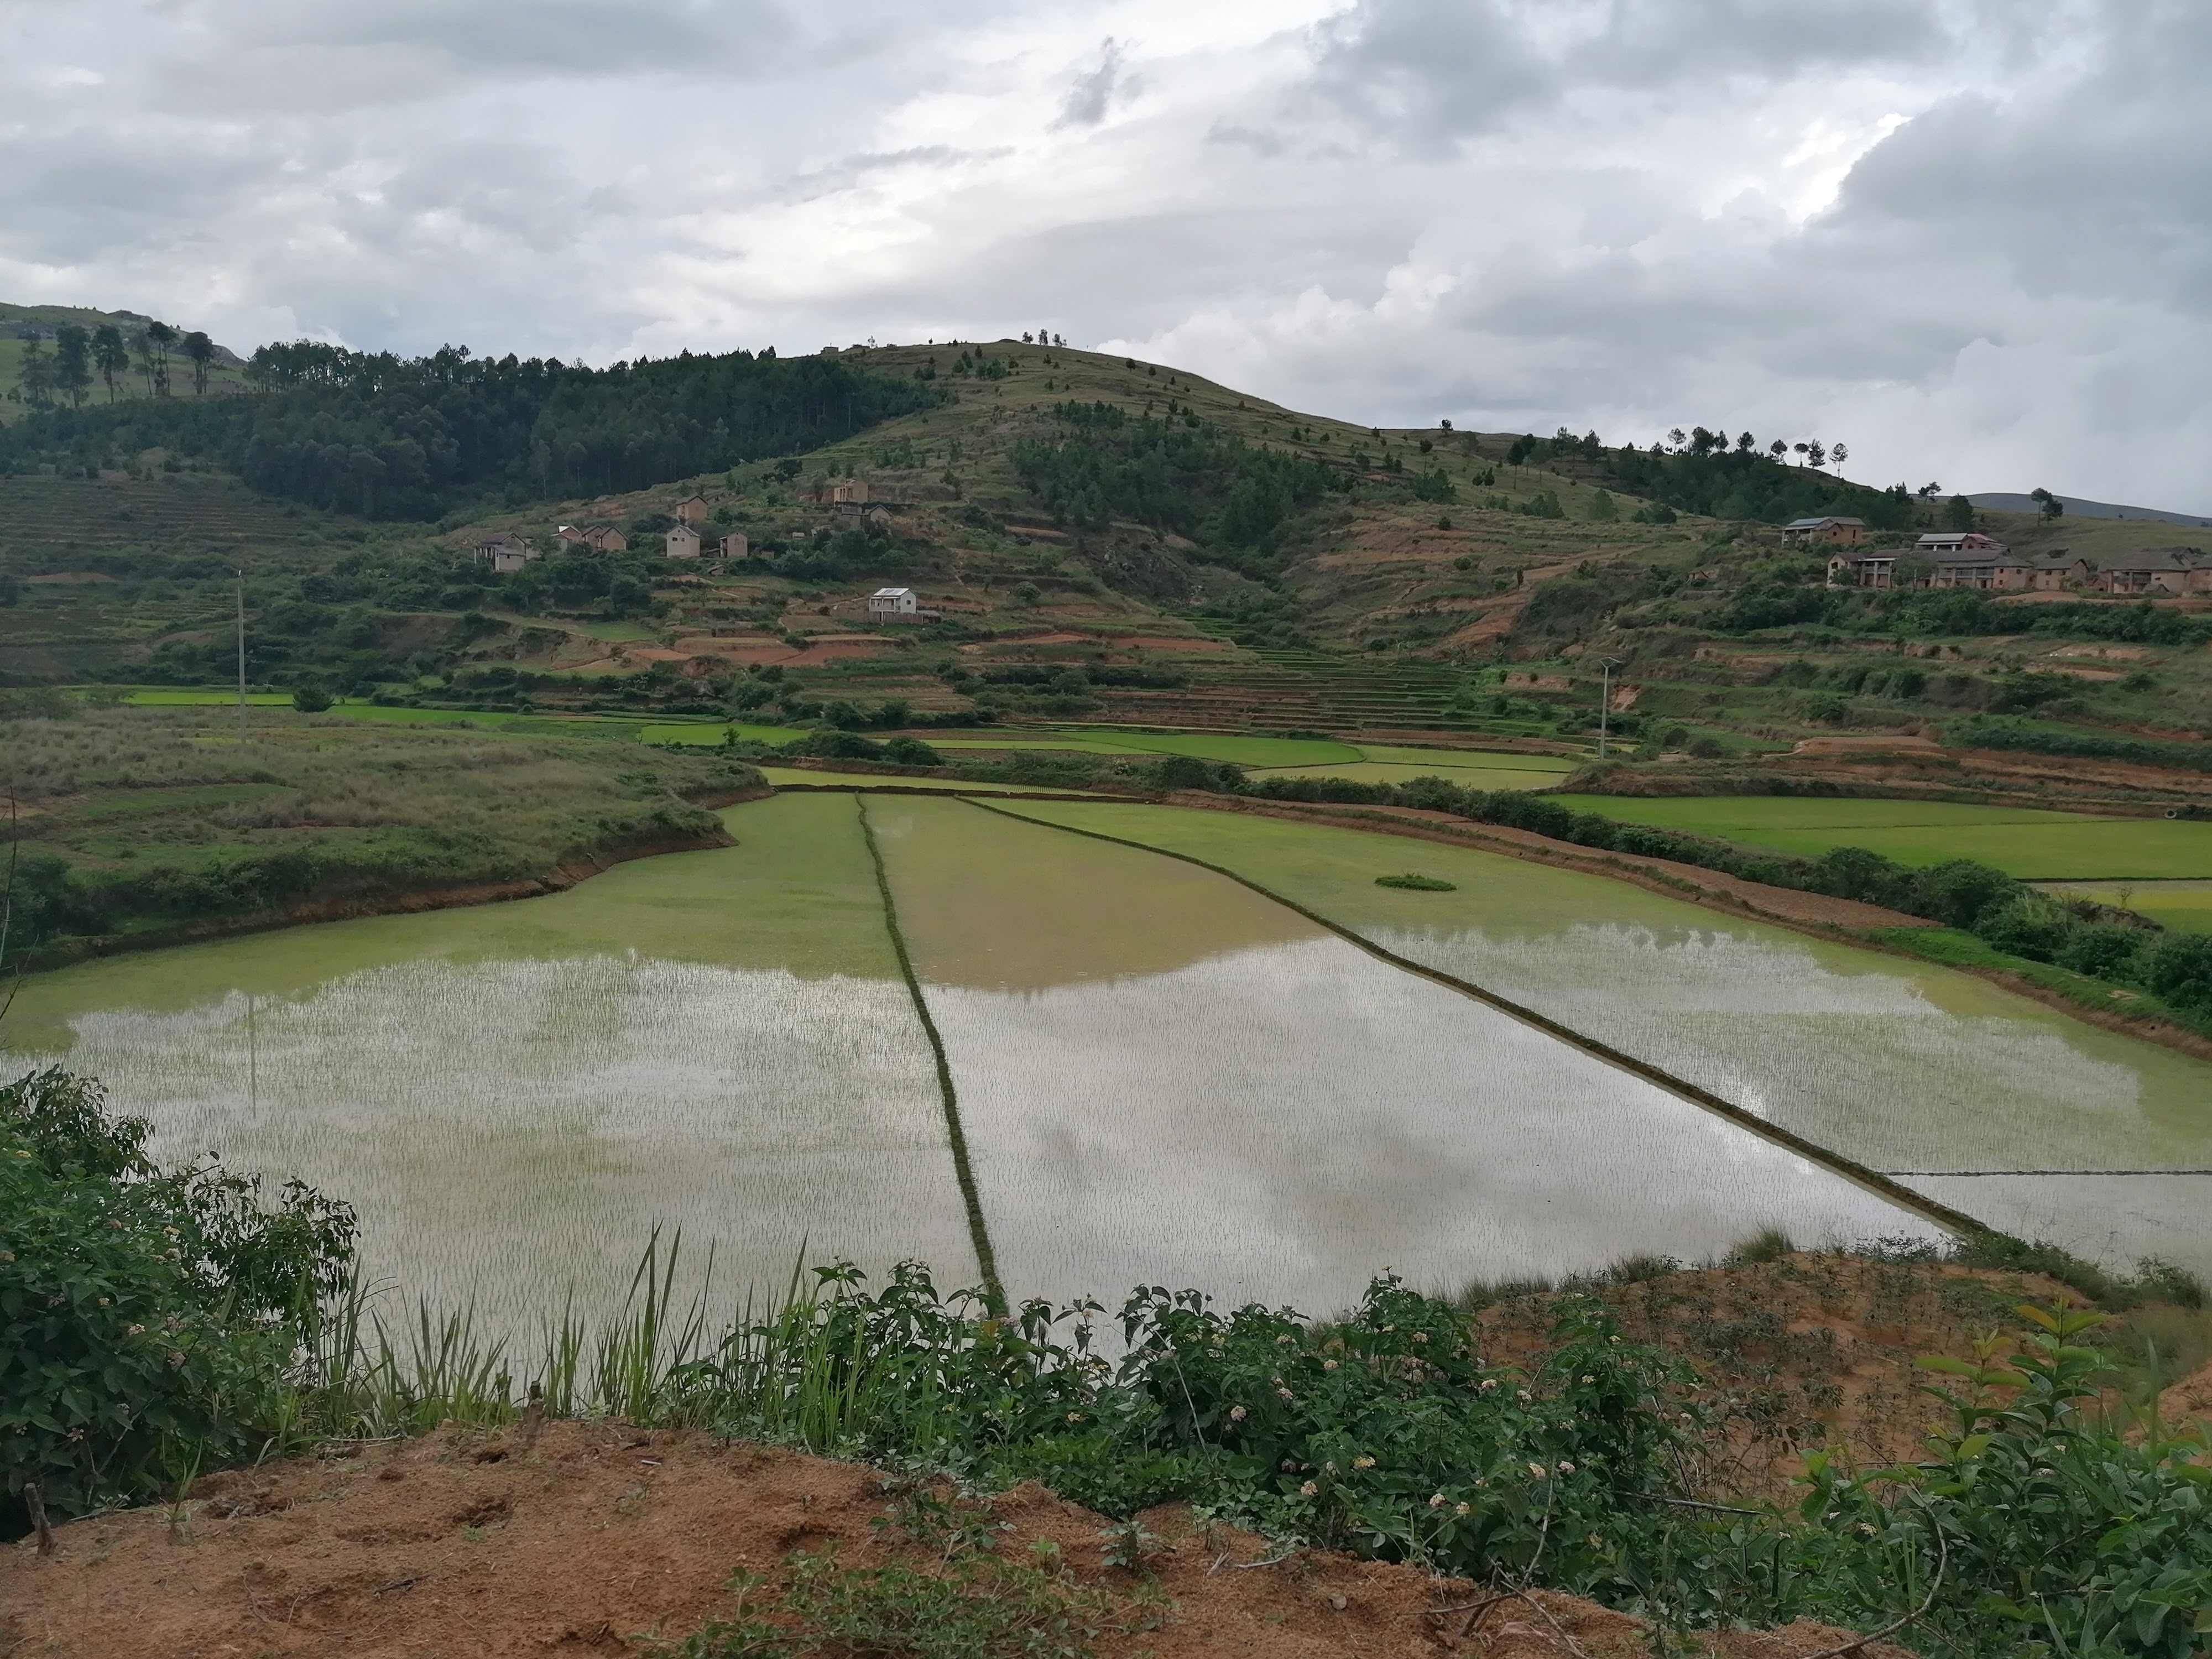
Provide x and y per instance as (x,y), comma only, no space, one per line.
(2191,1397)
(1812,1349)
(472,1544)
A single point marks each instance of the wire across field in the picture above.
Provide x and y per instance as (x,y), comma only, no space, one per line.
(2034,845)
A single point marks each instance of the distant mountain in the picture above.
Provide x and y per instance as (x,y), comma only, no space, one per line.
(1999,500)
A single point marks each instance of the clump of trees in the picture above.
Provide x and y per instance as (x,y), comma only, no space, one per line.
(383,437)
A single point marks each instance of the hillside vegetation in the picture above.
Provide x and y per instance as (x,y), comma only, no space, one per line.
(150,823)
(1098,537)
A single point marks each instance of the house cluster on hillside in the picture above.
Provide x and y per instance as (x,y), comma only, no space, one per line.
(1967,558)
(507,552)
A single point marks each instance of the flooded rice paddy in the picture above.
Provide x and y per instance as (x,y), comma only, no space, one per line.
(1898,1064)
(1163,1076)
(1279,1105)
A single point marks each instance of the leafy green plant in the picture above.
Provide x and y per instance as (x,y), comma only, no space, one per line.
(152,1317)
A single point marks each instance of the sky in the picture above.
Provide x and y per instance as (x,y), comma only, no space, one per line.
(1971,239)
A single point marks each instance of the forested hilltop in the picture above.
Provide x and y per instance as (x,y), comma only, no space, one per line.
(380,436)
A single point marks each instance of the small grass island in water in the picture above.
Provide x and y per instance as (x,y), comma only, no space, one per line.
(1417,883)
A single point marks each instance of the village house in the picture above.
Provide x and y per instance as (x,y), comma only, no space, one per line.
(1980,563)
(2049,573)
(1876,570)
(734,545)
(849,496)
(692,509)
(2155,570)
(887,603)
(603,538)
(683,542)
(505,552)
(1828,531)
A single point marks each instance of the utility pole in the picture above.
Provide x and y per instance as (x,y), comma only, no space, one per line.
(241,659)
(1605,702)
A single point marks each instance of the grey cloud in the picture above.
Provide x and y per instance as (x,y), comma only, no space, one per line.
(2102,189)
(576,37)
(1431,71)
(1094,91)
(850,170)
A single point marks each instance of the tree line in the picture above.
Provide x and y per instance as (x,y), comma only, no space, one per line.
(382,437)
(105,353)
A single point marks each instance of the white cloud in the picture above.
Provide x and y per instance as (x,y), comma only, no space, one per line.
(1971,238)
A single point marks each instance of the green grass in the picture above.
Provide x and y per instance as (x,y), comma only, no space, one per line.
(2034,845)
(713,733)
(782,775)
(187,698)
(1221,746)
(1456,760)
(151,818)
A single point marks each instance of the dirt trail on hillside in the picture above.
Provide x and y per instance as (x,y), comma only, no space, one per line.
(468,1544)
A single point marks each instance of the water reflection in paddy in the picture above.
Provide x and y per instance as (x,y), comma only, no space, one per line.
(1900,1064)
(1290,1112)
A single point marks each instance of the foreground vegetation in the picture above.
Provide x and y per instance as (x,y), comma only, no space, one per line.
(145,820)
(180,1321)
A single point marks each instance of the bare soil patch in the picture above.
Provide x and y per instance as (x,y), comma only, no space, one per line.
(573,1544)
(1807,1351)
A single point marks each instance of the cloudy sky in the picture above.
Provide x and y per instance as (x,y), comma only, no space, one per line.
(1971,238)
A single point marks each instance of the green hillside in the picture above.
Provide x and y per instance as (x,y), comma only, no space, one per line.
(1099,538)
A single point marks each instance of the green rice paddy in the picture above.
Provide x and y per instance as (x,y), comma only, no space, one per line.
(1162,1074)
(1157,1067)
(1899,1065)
(2034,845)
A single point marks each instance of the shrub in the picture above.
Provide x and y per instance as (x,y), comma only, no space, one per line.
(153,1316)
(911,751)
(310,699)
(2179,970)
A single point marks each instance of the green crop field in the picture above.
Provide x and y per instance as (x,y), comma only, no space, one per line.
(1462,760)
(782,775)
(1471,777)
(2183,905)
(188,698)
(2034,845)
(1222,746)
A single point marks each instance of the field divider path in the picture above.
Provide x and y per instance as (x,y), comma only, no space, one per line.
(963,1170)
(1875,1181)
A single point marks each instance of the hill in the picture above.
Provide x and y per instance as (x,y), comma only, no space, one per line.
(1098,537)
(2079,506)
(35,328)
